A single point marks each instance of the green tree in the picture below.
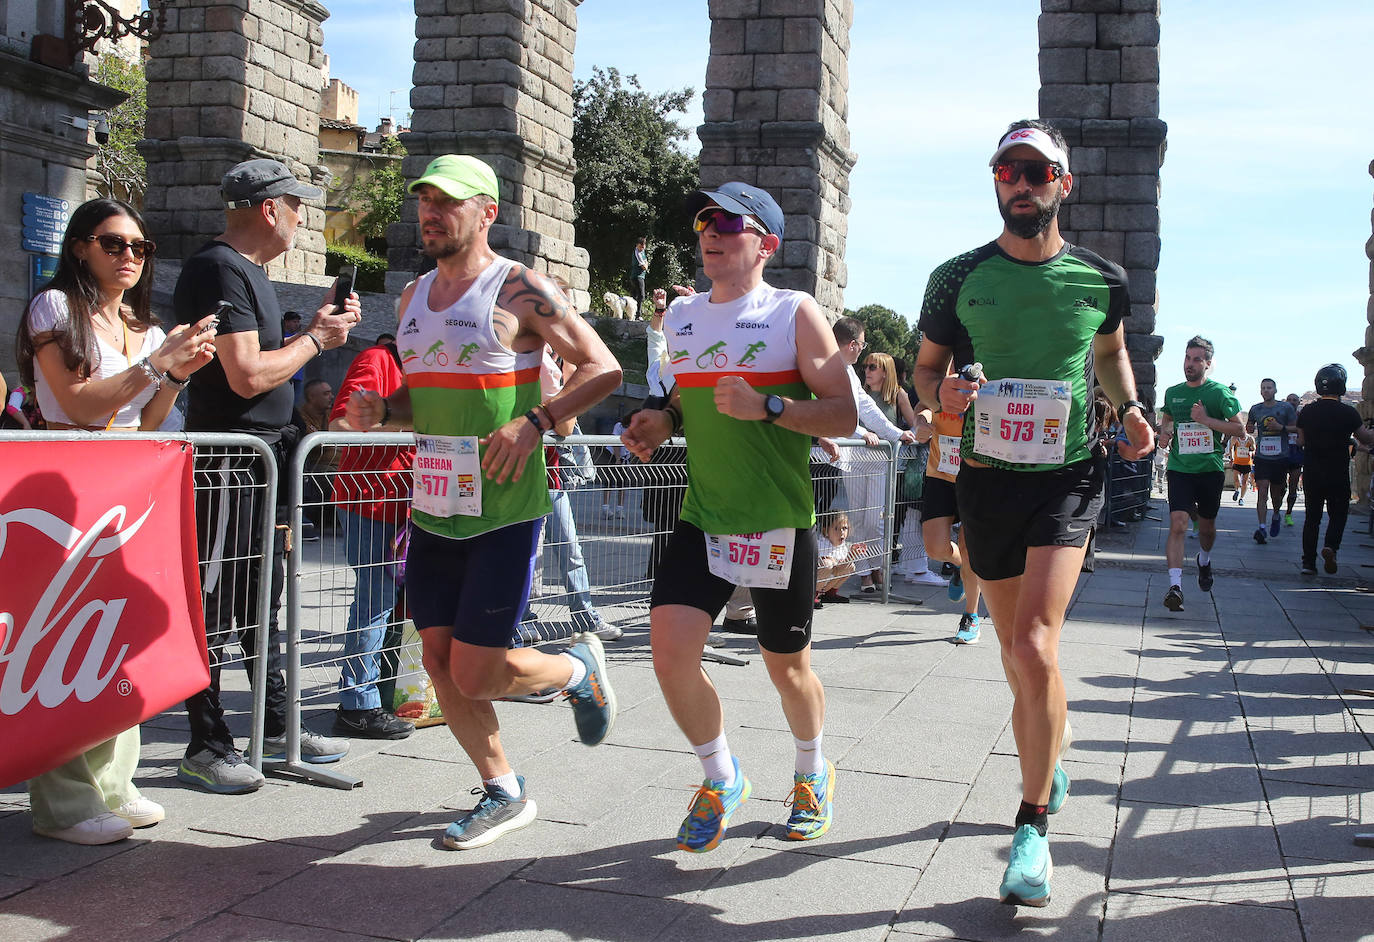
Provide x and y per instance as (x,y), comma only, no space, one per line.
(378,197)
(632,177)
(888,332)
(120,170)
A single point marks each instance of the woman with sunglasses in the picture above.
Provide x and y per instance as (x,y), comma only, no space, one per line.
(89,341)
(99,360)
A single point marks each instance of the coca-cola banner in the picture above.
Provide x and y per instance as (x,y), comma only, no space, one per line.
(100,614)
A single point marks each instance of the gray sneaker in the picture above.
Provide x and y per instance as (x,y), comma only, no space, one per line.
(224,775)
(314,747)
(590,620)
(495,814)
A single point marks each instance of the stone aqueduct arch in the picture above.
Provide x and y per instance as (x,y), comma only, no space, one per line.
(229,79)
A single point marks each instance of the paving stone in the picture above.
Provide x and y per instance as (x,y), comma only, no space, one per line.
(123,896)
(768,895)
(956,898)
(947,752)
(230,927)
(11,885)
(1090,809)
(1133,917)
(1211,855)
(1319,822)
(1333,900)
(519,909)
(1162,777)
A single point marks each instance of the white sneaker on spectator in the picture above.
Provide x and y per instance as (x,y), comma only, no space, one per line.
(141,812)
(102,829)
(927,578)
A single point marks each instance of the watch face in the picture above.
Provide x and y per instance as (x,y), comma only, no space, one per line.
(773,406)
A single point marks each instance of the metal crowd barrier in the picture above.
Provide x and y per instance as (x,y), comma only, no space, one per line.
(1127,489)
(227,469)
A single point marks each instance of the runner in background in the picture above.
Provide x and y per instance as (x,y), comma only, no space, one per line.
(1242,448)
(1295,451)
(1270,420)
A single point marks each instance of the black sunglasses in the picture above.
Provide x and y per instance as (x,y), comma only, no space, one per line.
(1036,172)
(114,246)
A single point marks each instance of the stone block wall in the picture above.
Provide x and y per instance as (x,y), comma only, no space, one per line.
(229,80)
(776,108)
(493,78)
(1099,75)
(1365,357)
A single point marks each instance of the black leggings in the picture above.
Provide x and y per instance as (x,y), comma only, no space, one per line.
(1333,490)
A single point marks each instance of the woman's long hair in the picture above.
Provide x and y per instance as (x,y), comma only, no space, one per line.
(74,279)
(888,391)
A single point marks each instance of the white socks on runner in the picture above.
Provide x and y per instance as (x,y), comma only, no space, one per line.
(579,671)
(716,761)
(1176,576)
(508,783)
(810,759)
(1203,558)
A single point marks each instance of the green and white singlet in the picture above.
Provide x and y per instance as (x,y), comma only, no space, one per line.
(742,476)
(1030,321)
(464,382)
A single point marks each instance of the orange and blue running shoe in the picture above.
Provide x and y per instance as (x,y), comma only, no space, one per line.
(813,804)
(710,812)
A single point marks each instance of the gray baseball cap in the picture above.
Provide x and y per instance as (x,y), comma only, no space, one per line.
(260,179)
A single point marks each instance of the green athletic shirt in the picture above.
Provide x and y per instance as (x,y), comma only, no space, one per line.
(1177,404)
(1029,320)
(742,476)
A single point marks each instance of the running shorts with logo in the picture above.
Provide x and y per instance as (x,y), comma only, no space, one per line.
(1196,472)
(1030,325)
(742,476)
(464,384)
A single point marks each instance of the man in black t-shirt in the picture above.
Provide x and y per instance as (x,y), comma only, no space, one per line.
(1324,430)
(246,388)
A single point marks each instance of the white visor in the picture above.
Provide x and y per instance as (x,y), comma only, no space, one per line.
(1036,138)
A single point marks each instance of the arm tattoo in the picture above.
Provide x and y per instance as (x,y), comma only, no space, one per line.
(521,290)
(507,325)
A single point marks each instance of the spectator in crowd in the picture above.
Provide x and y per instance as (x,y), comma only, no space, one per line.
(639,270)
(833,553)
(617,474)
(371,494)
(864,483)
(91,347)
(384,339)
(312,415)
(246,389)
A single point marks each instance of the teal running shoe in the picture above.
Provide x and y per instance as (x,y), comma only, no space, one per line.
(813,804)
(711,809)
(1027,880)
(1059,790)
(496,813)
(956,587)
(593,700)
(968,629)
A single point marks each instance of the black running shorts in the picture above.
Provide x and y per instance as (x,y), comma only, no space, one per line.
(1006,512)
(784,615)
(1201,490)
(938,500)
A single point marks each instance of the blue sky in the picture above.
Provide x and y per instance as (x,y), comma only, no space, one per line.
(1266,195)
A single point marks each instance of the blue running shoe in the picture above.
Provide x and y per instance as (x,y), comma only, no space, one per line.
(711,809)
(956,587)
(1274,523)
(593,700)
(495,814)
(813,804)
(1027,880)
(1059,790)
(968,629)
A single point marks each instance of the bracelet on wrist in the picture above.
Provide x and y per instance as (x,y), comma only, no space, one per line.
(547,414)
(675,416)
(534,420)
(386,411)
(319,347)
(154,375)
(173,381)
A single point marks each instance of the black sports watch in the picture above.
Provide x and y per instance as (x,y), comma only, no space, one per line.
(772,408)
(1121,409)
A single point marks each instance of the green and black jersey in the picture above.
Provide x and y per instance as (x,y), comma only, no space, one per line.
(1029,320)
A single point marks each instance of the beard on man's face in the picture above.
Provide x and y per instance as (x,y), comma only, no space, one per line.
(439,248)
(1029,226)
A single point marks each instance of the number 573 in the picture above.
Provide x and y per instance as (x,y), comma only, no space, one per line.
(1017,431)
(744,554)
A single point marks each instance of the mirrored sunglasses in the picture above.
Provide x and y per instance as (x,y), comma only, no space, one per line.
(1036,172)
(114,245)
(725,223)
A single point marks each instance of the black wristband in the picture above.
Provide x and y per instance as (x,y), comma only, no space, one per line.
(676,416)
(938,404)
(534,420)
(1121,409)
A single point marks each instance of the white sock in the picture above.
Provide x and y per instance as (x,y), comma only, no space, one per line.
(810,759)
(1203,558)
(1176,576)
(508,783)
(716,760)
(579,671)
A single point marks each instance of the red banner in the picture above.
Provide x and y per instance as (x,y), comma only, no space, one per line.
(100,614)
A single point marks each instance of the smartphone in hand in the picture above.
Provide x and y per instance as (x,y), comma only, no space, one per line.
(221,309)
(347,275)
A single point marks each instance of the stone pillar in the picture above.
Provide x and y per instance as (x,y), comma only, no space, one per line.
(776,106)
(230,80)
(495,80)
(1099,74)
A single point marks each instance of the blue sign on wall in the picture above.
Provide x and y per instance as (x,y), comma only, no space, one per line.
(41,272)
(45,219)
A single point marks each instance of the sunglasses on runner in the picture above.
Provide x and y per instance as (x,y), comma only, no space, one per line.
(1036,172)
(114,246)
(725,223)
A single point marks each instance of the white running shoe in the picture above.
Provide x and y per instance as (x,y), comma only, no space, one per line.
(927,578)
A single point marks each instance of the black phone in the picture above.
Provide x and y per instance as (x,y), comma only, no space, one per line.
(221,309)
(347,275)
